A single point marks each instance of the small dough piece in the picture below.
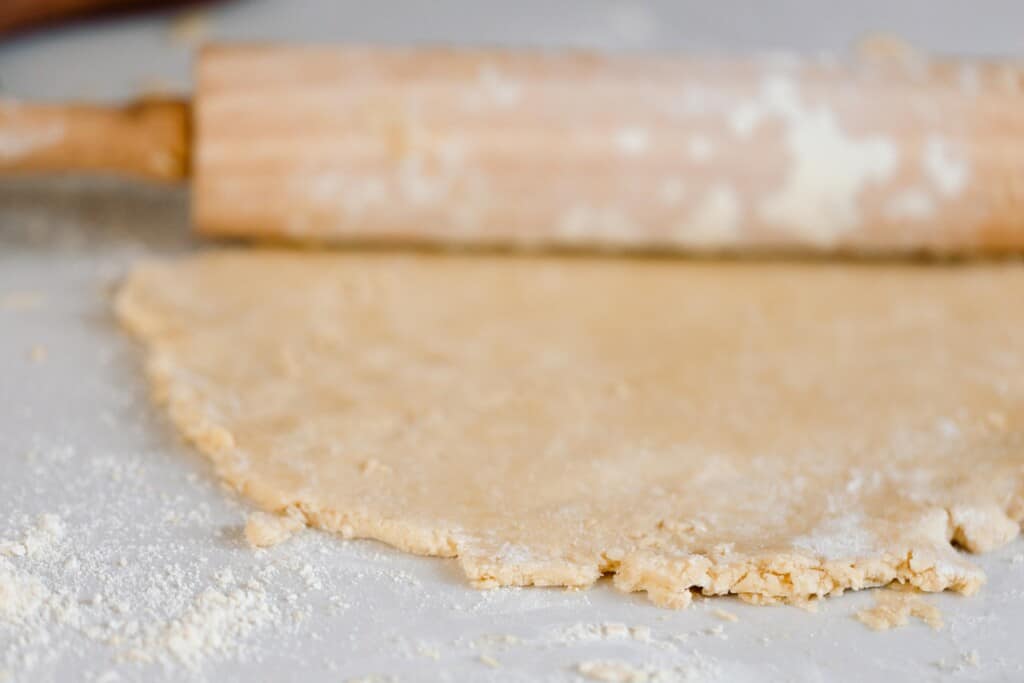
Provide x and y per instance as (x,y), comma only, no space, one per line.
(893,609)
(782,431)
(612,671)
(263,530)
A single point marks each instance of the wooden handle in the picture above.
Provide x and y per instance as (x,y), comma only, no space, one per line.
(148,139)
(569,149)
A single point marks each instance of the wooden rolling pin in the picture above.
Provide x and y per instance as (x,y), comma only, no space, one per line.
(896,153)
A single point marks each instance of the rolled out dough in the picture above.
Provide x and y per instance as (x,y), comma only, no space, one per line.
(777,431)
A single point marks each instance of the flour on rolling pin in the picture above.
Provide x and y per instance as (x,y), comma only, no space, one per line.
(22,135)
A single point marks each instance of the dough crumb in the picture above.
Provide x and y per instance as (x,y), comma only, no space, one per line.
(971,658)
(725,615)
(428,651)
(612,671)
(641,633)
(497,639)
(38,353)
(893,608)
(717,631)
(263,529)
(490,661)
(21,301)
(615,630)
(811,604)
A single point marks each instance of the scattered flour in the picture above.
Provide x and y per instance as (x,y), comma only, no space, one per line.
(947,171)
(429,651)
(717,631)
(968,659)
(21,594)
(632,141)
(498,88)
(700,149)
(214,625)
(715,220)
(57,590)
(843,535)
(59,598)
(910,204)
(40,539)
(584,632)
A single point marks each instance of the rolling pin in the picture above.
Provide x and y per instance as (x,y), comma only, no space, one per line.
(894,153)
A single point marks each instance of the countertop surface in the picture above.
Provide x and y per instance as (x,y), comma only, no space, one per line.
(125,556)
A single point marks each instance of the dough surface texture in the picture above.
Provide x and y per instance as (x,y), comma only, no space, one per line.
(781,431)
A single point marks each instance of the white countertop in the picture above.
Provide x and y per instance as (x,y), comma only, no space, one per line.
(144,525)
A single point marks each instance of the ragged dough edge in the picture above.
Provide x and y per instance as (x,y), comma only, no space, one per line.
(789,577)
(668,581)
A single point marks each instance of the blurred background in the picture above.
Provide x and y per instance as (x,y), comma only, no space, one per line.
(79,411)
(144,46)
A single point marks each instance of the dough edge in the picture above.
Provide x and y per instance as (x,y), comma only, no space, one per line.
(789,578)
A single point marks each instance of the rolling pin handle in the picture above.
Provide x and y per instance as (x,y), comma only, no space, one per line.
(146,139)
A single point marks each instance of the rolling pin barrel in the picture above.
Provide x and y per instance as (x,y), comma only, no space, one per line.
(635,152)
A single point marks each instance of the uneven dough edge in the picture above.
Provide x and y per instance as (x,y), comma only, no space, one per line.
(668,581)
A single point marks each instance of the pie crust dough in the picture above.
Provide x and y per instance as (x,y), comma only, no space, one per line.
(781,431)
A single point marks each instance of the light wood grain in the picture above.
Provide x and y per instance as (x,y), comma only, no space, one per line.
(147,139)
(487,147)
